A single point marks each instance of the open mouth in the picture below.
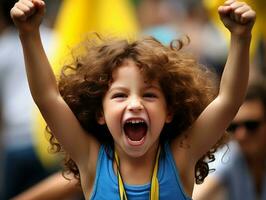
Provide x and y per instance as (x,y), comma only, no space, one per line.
(135,129)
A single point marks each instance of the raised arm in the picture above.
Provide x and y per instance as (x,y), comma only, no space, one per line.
(27,16)
(239,18)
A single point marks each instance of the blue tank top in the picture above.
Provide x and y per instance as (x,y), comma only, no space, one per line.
(106,185)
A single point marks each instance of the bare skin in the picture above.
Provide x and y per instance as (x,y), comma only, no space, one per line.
(252,144)
(53,188)
(238,17)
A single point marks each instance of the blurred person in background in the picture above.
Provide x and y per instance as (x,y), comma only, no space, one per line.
(157,18)
(54,187)
(20,166)
(207,43)
(243,175)
(167,20)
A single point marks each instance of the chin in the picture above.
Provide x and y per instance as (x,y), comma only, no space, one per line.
(136,152)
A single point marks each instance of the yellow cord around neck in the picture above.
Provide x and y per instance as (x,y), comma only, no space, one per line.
(154,193)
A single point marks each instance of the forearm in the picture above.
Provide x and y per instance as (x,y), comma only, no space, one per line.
(40,76)
(211,188)
(53,188)
(239,18)
(236,72)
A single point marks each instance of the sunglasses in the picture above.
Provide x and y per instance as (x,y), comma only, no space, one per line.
(249,125)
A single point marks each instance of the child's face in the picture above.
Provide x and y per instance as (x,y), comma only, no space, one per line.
(134,111)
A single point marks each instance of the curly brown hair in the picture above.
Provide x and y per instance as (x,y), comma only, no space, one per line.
(188,86)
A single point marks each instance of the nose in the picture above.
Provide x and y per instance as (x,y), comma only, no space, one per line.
(135,104)
(240,133)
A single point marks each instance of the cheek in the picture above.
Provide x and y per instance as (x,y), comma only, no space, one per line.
(261,133)
(158,117)
(112,115)
(262,137)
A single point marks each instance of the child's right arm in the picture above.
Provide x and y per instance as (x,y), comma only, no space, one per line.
(27,16)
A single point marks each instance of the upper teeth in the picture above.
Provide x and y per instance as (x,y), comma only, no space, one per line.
(135,121)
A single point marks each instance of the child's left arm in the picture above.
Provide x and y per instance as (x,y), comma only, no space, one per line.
(239,18)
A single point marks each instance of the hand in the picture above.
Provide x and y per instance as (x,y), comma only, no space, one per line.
(238,17)
(27,15)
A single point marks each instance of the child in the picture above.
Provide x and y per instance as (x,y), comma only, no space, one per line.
(136,117)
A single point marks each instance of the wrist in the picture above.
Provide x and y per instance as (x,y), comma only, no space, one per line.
(26,35)
(241,38)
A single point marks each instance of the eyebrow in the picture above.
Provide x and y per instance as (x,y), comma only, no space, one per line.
(117,88)
(152,87)
(149,86)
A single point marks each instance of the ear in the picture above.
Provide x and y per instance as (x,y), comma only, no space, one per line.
(100,118)
(169,117)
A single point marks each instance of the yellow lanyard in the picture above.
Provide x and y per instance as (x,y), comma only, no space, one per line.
(154,193)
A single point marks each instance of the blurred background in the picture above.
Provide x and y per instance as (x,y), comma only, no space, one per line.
(24,156)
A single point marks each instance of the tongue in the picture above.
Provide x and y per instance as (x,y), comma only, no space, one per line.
(135,132)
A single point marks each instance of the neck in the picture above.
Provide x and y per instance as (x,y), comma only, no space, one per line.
(257,167)
(137,170)
(256,161)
